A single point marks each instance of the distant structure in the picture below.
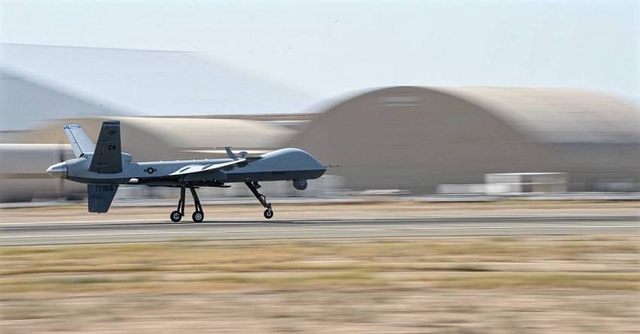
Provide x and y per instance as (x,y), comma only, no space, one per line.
(415,140)
(44,87)
(420,139)
(40,83)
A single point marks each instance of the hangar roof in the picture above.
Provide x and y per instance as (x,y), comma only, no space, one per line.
(143,82)
(558,114)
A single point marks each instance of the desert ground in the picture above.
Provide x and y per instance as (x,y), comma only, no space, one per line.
(524,284)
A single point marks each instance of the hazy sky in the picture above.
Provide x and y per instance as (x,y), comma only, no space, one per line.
(331,48)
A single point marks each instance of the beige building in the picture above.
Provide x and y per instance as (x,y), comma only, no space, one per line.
(421,140)
(416,139)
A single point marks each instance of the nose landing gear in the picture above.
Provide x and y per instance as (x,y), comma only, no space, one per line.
(268,213)
(253,186)
(197,216)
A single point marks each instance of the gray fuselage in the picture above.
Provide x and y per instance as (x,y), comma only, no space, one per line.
(284,164)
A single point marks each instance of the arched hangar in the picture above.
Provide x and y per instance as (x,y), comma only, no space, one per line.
(417,138)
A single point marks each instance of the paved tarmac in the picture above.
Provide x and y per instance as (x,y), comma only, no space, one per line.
(117,231)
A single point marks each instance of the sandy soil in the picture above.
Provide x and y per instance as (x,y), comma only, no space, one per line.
(331,311)
(582,284)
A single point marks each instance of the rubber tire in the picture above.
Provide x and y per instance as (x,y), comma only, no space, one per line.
(268,213)
(175,216)
(197,216)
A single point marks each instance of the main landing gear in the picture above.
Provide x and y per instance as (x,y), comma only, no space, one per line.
(197,216)
(253,186)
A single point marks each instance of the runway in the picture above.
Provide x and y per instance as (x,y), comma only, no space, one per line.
(118,231)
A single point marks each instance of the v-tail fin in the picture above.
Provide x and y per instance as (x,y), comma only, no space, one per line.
(80,142)
(100,196)
(107,156)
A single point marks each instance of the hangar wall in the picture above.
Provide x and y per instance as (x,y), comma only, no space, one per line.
(407,138)
(414,138)
(24,102)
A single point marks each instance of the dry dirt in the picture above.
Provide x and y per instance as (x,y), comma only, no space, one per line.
(330,311)
(586,284)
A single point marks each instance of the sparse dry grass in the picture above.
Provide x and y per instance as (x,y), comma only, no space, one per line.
(579,262)
(555,280)
(458,285)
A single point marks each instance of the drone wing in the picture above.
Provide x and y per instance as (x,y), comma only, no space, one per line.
(197,168)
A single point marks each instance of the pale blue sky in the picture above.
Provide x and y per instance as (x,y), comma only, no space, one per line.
(332,48)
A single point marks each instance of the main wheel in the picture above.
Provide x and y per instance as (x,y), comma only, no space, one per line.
(197,216)
(175,216)
(268,213)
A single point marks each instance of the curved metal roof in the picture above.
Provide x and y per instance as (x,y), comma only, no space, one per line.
(541,114)
(557,114)
(41,82)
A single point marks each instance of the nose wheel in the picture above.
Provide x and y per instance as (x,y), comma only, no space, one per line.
(197,216)
(253,186)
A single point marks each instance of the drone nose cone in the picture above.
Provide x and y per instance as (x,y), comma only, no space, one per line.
(58,170)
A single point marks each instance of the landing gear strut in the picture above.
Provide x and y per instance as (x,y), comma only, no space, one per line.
(198,215)
(253,186)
